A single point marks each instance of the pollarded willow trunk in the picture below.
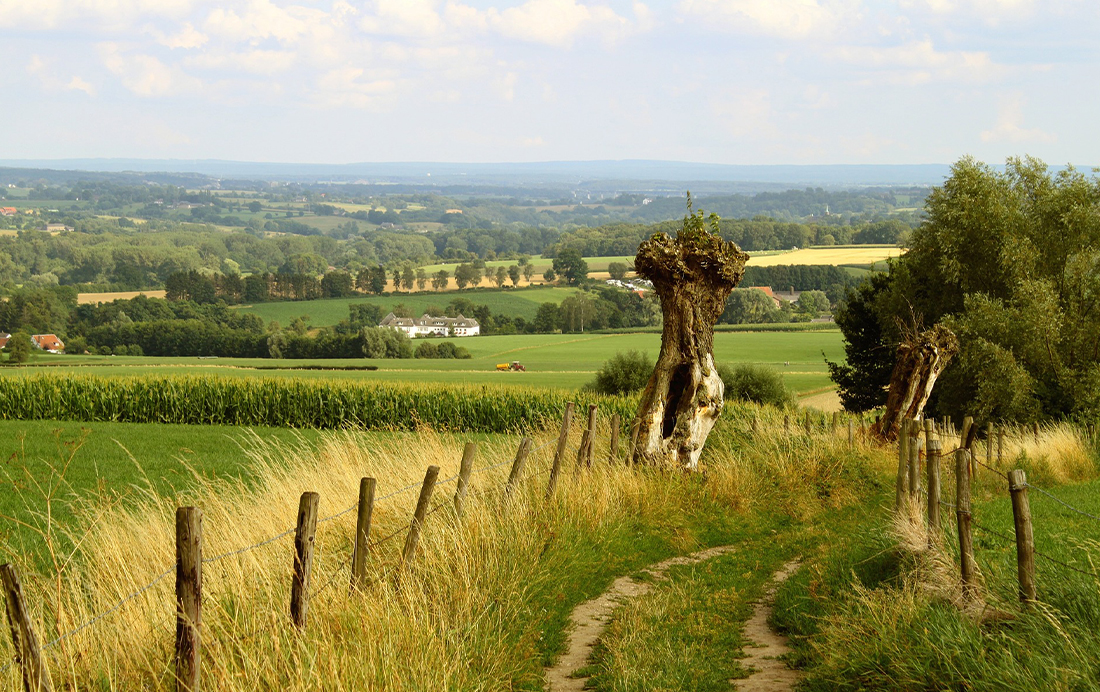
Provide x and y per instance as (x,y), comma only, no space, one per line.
(921,358)
(693,276)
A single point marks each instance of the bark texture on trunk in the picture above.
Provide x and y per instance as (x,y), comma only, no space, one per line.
(693,275)
(921,358)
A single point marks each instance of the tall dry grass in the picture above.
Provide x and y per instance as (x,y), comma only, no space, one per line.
(461,618)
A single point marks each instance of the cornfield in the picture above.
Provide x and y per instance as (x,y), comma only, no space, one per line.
(212,400)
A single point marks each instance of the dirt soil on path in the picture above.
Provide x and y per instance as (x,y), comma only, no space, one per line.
(769,673)
(591,617)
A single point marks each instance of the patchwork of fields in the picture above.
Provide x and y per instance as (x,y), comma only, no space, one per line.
(552,360)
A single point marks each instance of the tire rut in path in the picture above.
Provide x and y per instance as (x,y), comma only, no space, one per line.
(590,619)
(769,673)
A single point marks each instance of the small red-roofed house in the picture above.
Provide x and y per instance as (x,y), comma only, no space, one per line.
(4,336)
(767,291)
(48,342)
(7,211)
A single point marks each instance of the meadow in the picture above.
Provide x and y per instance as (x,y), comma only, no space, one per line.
(552,360)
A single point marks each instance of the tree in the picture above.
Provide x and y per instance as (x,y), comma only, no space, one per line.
(813,303)
(500,276)
(571,266)
(548,318)
(377,280)
(408,277)
(748,306)
(1010,262)
(336,285)
(623,373)
(440,279)
(617,270)
(577,311)
(18,348)
(528,271)
(693,275)
(421,278)
(464,275)
(513,274)
(550,275)
(255,207)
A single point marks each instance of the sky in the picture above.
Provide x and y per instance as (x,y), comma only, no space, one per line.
(709,81)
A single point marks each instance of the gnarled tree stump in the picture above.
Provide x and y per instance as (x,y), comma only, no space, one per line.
(693,276)
(921,358)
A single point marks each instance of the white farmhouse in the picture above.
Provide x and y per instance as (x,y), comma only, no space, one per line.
(432,326)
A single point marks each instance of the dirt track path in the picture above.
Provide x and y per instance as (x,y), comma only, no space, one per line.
(770,674)
(590,618)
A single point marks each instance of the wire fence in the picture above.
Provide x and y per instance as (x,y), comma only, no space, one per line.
(339,572)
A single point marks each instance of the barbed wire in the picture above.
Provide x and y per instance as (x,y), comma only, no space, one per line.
(1062,502)
(110,610)
(272,539)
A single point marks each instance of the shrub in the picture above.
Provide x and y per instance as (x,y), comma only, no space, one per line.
(623,373)
(757,383)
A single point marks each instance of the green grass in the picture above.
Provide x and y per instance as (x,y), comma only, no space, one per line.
(552,360)
(863,620)
(522,302)
(70,462)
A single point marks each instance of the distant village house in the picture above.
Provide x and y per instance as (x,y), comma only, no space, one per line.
(48,342)
(432,326)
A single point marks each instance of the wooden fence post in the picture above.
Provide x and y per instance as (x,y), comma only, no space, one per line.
(635,427)
(807,424)
(914,461)
(517,466)
(304,535)
(935,449)
(929,432)
(563,440)
(613,449)
(989,443)
(465,468)
(962,514)
(588,440)
(367,487)
(1000,445)
(851,434)
(188,598)
(36,678)
(1025,541)
(419,515)
(836,421)
(900,488)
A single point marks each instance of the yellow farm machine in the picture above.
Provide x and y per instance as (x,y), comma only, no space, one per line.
(514,366)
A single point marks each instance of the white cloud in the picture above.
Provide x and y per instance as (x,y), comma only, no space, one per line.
(918,62)
(78,84)
(787,19)
(49,14)
(146,75)
(557,22)
(1009,127)
(404,18)
(746,114)
(260,19)
(344,87)
(186,37)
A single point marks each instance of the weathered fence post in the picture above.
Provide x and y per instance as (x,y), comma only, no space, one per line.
(900,488)
(305,534)
(935,449)
(36,678)
(807,424)
(836,421)
(613,449)
(464,469)
(634,428)
(517,466)
(962,514)
(588,440)
(989,443)
(419,515)
(367,487)
(563,440)
(1025,541)
(188,598)
(914,461)
(851,434)
(929,432)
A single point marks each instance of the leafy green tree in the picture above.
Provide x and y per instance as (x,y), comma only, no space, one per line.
(577,311)
(571,266)
(813,303)
(18,348)
(748,306)
(617,270)
(500,276)
(514,274)
(440,279)
(528,271)
(623,373)
(547,318)
(756,383)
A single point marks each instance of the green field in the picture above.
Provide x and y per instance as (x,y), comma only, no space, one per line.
(523,302)
(552,360)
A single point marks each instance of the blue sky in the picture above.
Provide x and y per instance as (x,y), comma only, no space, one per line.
(716,81)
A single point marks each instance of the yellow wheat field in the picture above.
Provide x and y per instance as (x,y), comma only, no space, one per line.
(829,256)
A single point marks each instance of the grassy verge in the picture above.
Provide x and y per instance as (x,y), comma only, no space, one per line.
(485,603)
(878,609)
